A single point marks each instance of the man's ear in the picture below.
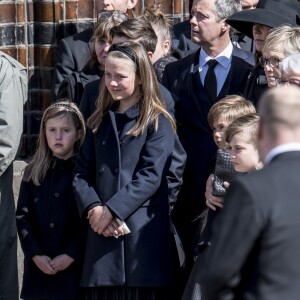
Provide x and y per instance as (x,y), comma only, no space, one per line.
(225,27)
(131,4)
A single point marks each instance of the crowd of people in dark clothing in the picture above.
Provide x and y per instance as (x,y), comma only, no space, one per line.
(156,127)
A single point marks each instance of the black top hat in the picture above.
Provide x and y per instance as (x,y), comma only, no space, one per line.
(272,13)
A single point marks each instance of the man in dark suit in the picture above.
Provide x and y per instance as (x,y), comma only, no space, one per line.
(74,51)
(182,34)
(186,79)
(256,244)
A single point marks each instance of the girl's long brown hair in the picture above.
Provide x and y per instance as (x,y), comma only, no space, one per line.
(150,102)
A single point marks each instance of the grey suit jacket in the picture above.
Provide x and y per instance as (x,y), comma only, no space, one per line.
(256,237)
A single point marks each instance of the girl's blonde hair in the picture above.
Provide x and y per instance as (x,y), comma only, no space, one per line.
(38,166)
(229,108)
(150,102)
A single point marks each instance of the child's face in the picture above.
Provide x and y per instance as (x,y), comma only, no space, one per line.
(61,136)
(120,80)
(243,155)
(218,130)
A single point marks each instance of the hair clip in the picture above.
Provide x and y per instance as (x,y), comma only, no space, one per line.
(64,105)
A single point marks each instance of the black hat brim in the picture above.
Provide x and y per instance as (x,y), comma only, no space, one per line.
(244,20)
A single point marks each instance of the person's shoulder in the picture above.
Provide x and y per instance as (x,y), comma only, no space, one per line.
(83,36)
(183,27)
(243,55)
(184,62)
(9,61)
(93,84)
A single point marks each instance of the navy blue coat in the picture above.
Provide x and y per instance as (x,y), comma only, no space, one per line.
(88,106)
(128,175)
(49,224)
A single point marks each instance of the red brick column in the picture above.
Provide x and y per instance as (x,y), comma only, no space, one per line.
(30,32)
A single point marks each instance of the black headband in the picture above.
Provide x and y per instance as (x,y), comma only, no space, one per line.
(125,50)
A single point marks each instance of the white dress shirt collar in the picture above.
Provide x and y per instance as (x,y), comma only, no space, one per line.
(224,58)
(288,147)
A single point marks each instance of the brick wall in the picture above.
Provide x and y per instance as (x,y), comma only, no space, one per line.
(30,31)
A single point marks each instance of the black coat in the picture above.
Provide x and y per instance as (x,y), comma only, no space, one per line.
(73,54)
(256,237)
(256,85)
(72,86)
(128,174)
(49,224)
(192,104)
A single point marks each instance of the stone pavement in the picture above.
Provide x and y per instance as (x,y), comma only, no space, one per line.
(19,166)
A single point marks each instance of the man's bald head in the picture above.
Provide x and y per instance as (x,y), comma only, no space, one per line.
(279,111)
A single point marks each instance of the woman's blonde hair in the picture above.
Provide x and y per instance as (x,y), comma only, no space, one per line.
(150,102)
(229,108)
(285,38)
(38,166)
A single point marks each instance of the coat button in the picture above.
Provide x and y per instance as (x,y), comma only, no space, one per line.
(51,225)
(103,143)
(56,195)
(117,170)
(101,170)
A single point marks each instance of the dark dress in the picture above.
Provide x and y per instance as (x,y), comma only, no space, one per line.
(128,175)
(48,224)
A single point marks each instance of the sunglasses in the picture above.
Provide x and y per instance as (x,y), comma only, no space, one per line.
(273,62)
(114,15)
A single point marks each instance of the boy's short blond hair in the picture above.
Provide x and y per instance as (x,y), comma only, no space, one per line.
(247,124)
(230,108)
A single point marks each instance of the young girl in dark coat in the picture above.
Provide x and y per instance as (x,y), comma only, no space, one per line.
(121,177)
(48,222)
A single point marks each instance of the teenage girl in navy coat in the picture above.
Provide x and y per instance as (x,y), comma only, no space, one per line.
(121,177)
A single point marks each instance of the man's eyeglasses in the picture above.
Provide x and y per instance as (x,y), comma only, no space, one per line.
(282,82)
(117,16)
(273,62)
